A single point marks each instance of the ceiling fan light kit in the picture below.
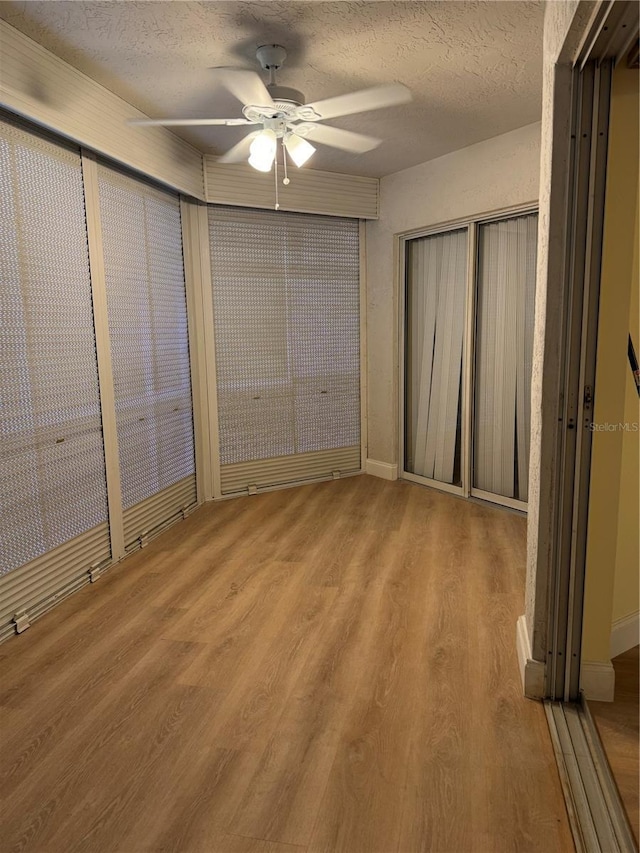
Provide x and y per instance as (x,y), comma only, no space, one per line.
(282,115)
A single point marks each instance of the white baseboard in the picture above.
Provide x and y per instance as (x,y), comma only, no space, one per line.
(532,672)
(384,470)
(598,680)
(625,634)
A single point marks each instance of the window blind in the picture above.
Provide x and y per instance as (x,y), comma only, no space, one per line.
(52,472)
(286,300)
(146,302)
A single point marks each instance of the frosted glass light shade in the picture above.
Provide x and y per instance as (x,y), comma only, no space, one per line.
(263,150)
(299,149)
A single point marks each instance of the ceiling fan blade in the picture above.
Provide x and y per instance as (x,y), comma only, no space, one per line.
(359,102)
(357,143)
(240,151)
(189,122)
(247,86)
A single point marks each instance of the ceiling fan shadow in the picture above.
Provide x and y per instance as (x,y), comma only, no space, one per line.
(38,87)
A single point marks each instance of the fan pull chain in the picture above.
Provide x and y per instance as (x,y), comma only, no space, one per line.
(275,172)
(284,162)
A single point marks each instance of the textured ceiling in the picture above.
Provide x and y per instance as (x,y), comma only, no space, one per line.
(474,68)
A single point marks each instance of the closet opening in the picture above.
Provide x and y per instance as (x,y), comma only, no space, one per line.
(467,310)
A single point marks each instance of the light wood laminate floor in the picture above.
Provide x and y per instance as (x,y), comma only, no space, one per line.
(619,730)
(328,668)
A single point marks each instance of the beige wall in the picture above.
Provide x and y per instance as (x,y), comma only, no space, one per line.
(498,173)
(626,583)
(612,543)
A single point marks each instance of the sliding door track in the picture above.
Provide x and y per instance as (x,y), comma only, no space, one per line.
(596,814)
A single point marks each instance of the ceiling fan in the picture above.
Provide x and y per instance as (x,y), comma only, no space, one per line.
(280,114)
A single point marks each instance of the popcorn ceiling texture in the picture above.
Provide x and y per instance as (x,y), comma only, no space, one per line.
(475,68)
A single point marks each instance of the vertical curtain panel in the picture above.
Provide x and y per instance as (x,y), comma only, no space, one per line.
(436,280)
(504,347)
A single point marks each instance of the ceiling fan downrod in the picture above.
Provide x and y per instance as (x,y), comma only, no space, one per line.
(271,58)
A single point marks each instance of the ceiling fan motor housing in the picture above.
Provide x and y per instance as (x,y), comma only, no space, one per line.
(285,95)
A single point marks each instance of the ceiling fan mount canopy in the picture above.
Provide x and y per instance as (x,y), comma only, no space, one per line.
(271,56)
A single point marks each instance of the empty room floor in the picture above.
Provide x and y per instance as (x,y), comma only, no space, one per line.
(327,668)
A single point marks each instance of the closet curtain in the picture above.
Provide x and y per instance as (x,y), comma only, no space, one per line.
(504,348)
(436,269)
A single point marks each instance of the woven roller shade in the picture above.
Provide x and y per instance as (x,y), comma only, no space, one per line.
(52,474)
(144,274)
(286,298)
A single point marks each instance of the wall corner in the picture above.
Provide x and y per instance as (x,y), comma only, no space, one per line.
(598,680)
(532,672)
(384,470)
